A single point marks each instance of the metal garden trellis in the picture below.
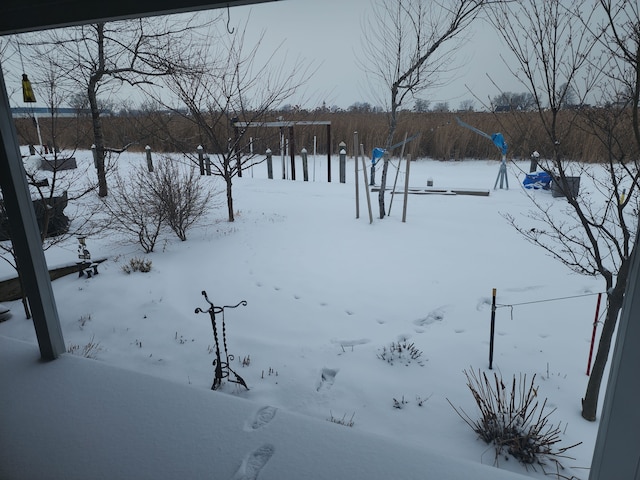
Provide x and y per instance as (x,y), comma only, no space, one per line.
(223,369)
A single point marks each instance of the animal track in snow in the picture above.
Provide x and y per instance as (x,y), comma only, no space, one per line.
(482,302)
(254,462)
(523,289)
(262,417)
(436,315)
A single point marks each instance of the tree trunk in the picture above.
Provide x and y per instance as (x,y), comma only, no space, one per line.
(383,183)
(92,94)
(228,181)
(393,124)
(98,139)
(614,300)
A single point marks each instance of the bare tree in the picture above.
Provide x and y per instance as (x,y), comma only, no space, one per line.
(407,47)
(467,105)
(555,43)
(621,89)
(228,90)
(99,59)
(515,101)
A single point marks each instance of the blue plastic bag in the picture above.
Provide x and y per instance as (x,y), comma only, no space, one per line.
(538,180)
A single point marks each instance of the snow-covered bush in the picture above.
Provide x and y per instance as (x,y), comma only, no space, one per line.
(173,197)
(401,352)
(137,265)
(513,420)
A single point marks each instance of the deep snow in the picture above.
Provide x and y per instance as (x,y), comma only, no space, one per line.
(326,293)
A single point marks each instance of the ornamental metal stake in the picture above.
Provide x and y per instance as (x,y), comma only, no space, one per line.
(222,369)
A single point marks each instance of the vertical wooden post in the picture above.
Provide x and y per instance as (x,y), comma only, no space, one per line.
(493,328)
(395,181)
(200,150)
(269,164)
(149,160)
(292,153)
(26,236)
(406,190)
(364,174)
(343,162)
(94,152)
(305,165)
(329,153)
(284,170)
(355,176)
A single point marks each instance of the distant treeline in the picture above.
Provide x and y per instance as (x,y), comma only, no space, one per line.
(440,135)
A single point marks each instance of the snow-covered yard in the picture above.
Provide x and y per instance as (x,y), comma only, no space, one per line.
(329,297)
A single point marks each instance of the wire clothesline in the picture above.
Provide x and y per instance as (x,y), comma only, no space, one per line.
(511,305)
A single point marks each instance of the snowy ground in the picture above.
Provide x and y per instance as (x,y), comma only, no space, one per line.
(326,294)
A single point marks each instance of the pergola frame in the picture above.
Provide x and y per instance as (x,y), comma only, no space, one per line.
(289,125)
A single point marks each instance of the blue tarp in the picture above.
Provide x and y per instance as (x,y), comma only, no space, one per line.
(538,180)
(498,140)
(377,155)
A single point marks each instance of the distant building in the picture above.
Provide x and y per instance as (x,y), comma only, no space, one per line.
(26,112)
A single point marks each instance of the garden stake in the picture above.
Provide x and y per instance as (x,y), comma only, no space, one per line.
(493,328)
(222,368)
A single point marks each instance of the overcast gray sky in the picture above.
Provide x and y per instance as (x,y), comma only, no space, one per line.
(328,33)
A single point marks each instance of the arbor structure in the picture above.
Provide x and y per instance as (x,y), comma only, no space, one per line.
(558,48)
(408,46)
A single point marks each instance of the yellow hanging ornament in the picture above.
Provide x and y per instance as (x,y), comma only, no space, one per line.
(27,92)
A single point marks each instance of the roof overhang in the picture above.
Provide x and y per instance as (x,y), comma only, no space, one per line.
(20,16)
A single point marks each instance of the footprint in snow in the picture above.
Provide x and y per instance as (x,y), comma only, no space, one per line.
(254,462)
(261,418)
(327,377)
(483,302)
(436,315)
